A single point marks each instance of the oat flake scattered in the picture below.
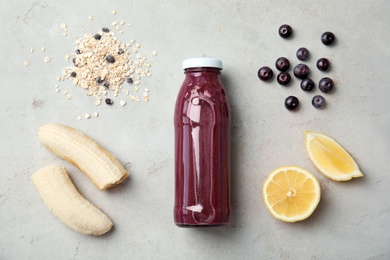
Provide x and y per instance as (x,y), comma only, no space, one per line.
(113,12)
(154,53)
(26,63)
(90,17)
(32,50)
(46,59)
(122,103)
(96,114)
(43,49)
(87,116)
(79,118)
(69,97)
(57,90)
(63,25)
(135,98)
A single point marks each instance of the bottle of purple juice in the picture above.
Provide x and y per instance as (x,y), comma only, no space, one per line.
(202,146)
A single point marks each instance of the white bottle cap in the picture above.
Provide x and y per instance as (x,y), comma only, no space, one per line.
(202,62)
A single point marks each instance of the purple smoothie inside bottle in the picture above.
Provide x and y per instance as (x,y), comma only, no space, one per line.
(202,146)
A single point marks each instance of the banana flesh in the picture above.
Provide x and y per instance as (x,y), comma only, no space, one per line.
(102,168)
(62,198)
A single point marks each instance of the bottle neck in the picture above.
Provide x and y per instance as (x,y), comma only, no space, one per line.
(201,70)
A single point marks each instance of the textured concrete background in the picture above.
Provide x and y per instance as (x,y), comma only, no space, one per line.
(352,219)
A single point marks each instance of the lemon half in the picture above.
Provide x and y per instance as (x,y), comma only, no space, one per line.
(291,193)
(330,158)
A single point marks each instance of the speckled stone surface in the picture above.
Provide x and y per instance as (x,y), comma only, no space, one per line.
(352,220)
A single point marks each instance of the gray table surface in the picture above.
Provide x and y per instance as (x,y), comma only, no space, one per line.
(352,219)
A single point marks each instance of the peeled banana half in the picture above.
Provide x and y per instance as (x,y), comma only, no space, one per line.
(102,168)
(60,195)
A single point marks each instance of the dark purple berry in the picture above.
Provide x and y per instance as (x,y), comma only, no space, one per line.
(265,73)
(73,74)
(106,84)
(129,80)
(328,38)
(326,85)
(303,54)
(318,101)
(284,78)
(99,79)
(307,84)
(109,101)
(291,103)
(282,64)
(78,51)
(285,31)
(110,59)
(97,36)
(301,71)
(323,64)
(105,29)
(121,51)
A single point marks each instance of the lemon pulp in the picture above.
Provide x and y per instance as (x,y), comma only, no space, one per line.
(331,158)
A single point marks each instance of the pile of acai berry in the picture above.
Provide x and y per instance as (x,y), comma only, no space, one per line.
(301,71)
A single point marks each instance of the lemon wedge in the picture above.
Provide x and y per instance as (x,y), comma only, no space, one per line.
(291,193)
(330,158)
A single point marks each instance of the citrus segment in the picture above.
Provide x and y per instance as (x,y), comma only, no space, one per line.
(330,158)
(291,193)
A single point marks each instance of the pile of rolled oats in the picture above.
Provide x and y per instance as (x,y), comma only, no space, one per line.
(103,63)
(105,66)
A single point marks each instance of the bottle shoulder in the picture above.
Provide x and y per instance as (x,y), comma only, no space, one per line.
(203,89)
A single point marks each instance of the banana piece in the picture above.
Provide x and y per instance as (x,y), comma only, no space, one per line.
(102,168)
(62,198)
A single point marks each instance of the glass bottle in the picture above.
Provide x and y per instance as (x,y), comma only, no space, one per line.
(202,146)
